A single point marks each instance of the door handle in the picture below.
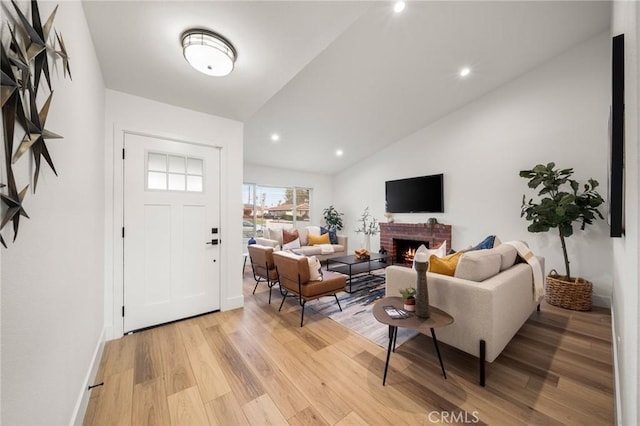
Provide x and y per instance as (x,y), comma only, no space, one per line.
(213,242)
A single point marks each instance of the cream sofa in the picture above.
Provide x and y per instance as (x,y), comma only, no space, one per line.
(273,238)
(488,310)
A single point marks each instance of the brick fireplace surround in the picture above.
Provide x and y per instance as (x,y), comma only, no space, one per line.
(435,234)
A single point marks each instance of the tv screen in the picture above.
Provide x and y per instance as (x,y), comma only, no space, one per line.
(422,194)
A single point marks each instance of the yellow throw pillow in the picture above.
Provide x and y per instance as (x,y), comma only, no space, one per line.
(444,265)
(318,239)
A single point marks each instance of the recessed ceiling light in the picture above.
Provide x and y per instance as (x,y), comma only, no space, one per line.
(339,152)
(208,52)
(275,137)
(465,71)
(398,6)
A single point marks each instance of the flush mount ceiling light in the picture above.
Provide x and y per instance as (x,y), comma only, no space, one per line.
(464,72)
(398,6)
(208,52)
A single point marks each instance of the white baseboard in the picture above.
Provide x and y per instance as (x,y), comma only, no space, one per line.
(616,371)
(83,398)
(602,301)
(233,303)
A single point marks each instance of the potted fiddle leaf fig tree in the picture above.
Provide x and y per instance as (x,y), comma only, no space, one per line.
(333,218)
(561,204)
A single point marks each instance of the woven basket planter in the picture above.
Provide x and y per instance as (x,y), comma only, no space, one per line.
(574,294)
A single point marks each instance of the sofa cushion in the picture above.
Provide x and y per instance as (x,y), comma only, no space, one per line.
(275,234)
(290,239)
(303,233)
(478,265)
(289,235)
(444,265)
(320,239)
(295,244)
(310,250)
(333,236)
(507,254)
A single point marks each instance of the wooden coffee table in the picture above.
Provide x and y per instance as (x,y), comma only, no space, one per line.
(437,318)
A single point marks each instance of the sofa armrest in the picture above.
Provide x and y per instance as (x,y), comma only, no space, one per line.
(343,240)
(266,242)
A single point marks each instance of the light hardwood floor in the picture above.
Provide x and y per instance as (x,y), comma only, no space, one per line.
(257,366)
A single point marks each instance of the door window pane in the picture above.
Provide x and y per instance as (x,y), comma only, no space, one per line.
(176,182)
(157,162)
(184,173)
(157,180)
(194,183)
(176,164)
(194,166)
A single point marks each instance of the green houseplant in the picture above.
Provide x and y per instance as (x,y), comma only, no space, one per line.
(560,205)
(409,298)
(333,218)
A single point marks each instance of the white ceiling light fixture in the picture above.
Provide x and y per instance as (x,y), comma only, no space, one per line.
(208,52)
(398,6)
(275,137)
(339,153)
(464,72)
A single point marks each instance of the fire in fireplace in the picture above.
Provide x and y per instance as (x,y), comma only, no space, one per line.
(406,249)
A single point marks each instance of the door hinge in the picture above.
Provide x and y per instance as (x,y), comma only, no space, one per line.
(123,311)
(123,153)
(123,232)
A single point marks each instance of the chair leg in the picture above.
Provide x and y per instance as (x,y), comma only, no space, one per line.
(482,358)
(254,289)
(302,314)
(269,285)
(284,297)
(337,301)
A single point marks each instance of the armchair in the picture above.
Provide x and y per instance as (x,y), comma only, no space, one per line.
(293,272)
(264,270)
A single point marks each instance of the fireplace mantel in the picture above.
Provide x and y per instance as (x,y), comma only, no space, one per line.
(435,234)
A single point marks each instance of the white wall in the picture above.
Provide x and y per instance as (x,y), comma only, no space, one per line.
(52,276)
(131,113)
(322,194)
(557,112)
(626,17)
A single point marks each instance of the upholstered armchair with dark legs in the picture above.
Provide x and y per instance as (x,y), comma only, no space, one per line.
(264,270)
(293,272)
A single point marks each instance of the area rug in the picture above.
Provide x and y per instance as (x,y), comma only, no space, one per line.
(357,311)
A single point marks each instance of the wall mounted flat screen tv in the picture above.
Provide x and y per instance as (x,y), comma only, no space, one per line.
(423,194)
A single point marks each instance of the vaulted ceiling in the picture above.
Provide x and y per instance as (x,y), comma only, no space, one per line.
(333,75)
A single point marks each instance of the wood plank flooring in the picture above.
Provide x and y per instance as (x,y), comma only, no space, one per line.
(256,366)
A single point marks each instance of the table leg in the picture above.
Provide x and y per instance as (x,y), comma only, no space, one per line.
(435,342)
(393,331)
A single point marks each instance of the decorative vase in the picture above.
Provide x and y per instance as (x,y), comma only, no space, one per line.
(410,304)
(367,242)
(422,291)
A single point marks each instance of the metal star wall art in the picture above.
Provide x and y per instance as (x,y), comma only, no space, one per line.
(13,201)
(25,58)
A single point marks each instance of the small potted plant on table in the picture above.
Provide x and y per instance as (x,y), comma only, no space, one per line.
(409,298)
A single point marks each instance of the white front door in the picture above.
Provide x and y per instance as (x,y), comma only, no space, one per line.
(171,221)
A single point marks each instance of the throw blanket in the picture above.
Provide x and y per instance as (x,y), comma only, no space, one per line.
(326,248)
(530,258)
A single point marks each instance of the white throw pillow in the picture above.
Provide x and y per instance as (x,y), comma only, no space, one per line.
(440,251)
(314,230)
(315,269)
(275,234)
(292,244)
